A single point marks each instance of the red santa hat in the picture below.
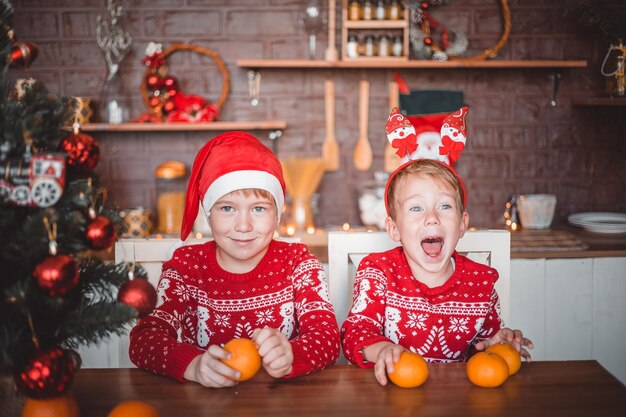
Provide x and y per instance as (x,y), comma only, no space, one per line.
(396,121)
(229,162)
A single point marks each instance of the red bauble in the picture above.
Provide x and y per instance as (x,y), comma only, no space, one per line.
(101,233)
(170,83)
(49,373)
(154,82)
(169,106)
(23,54)
(82,152)
(155,101)
(139,294)
(57,275)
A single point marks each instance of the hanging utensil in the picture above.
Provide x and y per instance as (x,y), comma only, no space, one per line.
(363,150)
(392,161)
(331,51)
(330,148)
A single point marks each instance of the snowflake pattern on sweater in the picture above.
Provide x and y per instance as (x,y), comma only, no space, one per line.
(441,323)
(200,304)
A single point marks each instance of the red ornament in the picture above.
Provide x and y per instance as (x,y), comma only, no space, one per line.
(169,106)
(23,54)
(139,294)
(170,83)
(49,373)
(57,275)
(82,151)
(154,82)
(101,233)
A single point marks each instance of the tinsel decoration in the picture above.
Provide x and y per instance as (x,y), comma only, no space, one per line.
(101,233)
(82,151)
(57,275)
(49,373)
(139,294)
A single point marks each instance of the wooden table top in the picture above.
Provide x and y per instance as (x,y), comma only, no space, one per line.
(565,388)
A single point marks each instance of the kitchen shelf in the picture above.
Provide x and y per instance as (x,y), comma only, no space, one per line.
(185,127)
(599,101)
(374,62)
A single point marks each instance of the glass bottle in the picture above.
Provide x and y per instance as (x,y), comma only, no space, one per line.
(171,187)
(354,10)
(352,48)
(395,10)
(380,10)
(369,45)
(383,45)
(397,46)
(368,10)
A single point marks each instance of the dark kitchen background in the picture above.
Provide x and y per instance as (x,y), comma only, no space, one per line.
(517,142)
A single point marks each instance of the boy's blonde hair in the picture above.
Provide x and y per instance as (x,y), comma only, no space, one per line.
(430,168)
(257,192)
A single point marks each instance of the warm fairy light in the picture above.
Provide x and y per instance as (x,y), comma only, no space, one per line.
(159,236)
(310,230)
(291,230)
(345,227)
(198,235)
(513,226)
(276,234)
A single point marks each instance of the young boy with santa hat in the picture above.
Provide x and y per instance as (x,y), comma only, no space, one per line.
(423,296)
(241,284)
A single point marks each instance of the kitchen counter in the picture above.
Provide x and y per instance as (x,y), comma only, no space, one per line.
(575,243)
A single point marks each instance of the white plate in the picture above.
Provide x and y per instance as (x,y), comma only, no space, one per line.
(600,222)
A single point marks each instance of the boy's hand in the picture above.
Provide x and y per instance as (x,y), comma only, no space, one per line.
(276,351)
(208,370)
(514,337)
(384,355)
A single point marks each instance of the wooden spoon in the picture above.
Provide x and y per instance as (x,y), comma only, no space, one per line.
(363,150)
(392,161)
(331,51)
(330,148)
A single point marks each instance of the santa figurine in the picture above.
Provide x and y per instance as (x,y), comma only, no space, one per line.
(425,141)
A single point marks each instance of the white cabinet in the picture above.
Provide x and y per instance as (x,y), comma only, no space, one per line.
(572,309)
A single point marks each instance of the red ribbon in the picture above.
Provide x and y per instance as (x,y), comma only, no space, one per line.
(451,148)
(405,146)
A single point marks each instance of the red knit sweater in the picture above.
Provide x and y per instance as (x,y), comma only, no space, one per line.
(440,323)
(200,304)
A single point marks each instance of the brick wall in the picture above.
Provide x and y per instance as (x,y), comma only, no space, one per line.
(517,142)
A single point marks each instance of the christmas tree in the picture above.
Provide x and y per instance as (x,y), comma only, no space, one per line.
(54,295)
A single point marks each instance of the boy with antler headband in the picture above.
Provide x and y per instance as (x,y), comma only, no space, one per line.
(423,296)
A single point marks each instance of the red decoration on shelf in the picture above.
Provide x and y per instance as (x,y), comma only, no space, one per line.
(57,275)
(49,373)
(101,233)
(82,150)
(139,294)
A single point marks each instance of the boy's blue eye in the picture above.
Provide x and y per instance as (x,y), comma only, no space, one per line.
(446,206)
(227,209)
(259,209)
(416,208)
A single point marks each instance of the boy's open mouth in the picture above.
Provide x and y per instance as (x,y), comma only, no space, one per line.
(432,246)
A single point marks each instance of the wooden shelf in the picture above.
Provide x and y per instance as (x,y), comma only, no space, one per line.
(599,101)
(411,64)
(185,127)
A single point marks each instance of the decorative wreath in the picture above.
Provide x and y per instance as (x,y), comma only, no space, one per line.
(163,96)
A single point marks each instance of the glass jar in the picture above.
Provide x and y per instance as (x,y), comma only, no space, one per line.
(383,45)
(372,201)
(368,10)
(354,10)
(171,184)
(395,10)
(381,12)
(397,47)
(352,48)
(369,45)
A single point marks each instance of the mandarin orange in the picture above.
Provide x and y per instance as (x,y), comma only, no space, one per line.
(63,406)
(134,408)
(509,354)
(487,369)
(244,357)
(410,371)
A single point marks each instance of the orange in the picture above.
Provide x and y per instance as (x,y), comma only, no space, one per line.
(410,371)
(244,357)
(509,354)
(487,369)
(134,409)
(63,406)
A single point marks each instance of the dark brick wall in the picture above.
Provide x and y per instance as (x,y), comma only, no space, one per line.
(517,141)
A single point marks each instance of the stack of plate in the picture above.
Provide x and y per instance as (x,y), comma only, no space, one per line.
(599,222)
